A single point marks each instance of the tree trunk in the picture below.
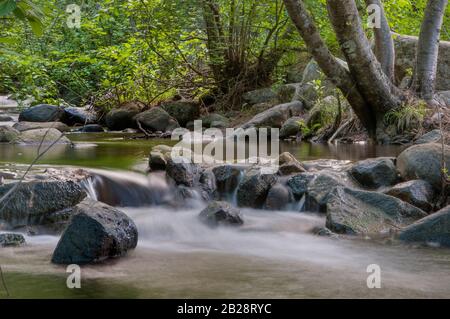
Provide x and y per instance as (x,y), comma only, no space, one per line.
(428,49)
(329,65)
(384,43)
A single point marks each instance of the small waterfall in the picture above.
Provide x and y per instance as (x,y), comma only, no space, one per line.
(233,192)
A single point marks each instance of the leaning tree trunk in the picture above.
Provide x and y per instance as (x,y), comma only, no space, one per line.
(428,49)
(337,73)
(384,43)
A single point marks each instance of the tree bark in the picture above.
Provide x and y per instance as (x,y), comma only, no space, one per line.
(428,49)
(384,43)
(377,89)
(337,73)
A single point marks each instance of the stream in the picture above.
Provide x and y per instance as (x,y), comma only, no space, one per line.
(274,255)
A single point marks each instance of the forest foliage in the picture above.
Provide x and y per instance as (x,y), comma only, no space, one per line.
(151,50)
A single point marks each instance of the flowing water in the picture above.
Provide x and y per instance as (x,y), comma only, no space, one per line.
(274,255)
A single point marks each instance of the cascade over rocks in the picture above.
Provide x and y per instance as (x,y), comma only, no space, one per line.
(254,187)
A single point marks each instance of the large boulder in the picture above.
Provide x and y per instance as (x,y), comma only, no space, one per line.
(434,136)
(375,173)
(79,115)
(9,240)
(156,119)
(351,212)
(122,118)
(291,127)
(259,96)
(433,229)
(96,232)
(254,187)
(182,111)
(183,172)
(221,214)
(424,161)
(42,136)
(276,116)
(42,113)
(8,134)
(417,192)
(405,49)
(31,202)
(27,126)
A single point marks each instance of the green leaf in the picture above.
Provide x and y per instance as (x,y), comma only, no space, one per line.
(7,6)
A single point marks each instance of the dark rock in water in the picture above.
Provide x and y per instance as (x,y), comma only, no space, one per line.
(42,113)
(291,127)
(121,118)
(433,229)
(424,162)
(8,134)
(434,136)
(156,119)
(324,232)
(288,164)
(208,185)
(183,173)
(254,187)
(79,115)
(27,126)
(299,183)
(158,161)
(31,202)
(417,192)
(92,128)
(42,136)
(182,111)
(8,240)
(6,118)
(227,178)
(221,214)
(278,197)
(351,212)
(96,232)
(374,173)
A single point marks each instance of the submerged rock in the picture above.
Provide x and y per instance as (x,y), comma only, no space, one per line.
(8,240)
(156,119)
(254,187)
(417,192)
(221,214)
(42,113)
(8,134)
(42,136)
(96,232)
(27,126)
(31,202)
(375,173)
(351,212)
(424,162)
(433,229)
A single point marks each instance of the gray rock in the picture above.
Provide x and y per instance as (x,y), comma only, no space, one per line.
(8,134)
(259,96)
(96,232)
(375,173)
(184,173)
(291,127)
(227,178)
(417,192)
(9,240)
(121,118)
(26,126)
(278,197)
(275,116)
(434,136)
(433,229)
(351,211)
(444,97)
(253,188)
(286,93)
(92,128)
(42,136)
(157,161)
(215,118)
(79,115)
(42,113)
(6,118)
(221,214)
(423,162)
(288,164)
(182,111)
(33,201)
(156,119)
